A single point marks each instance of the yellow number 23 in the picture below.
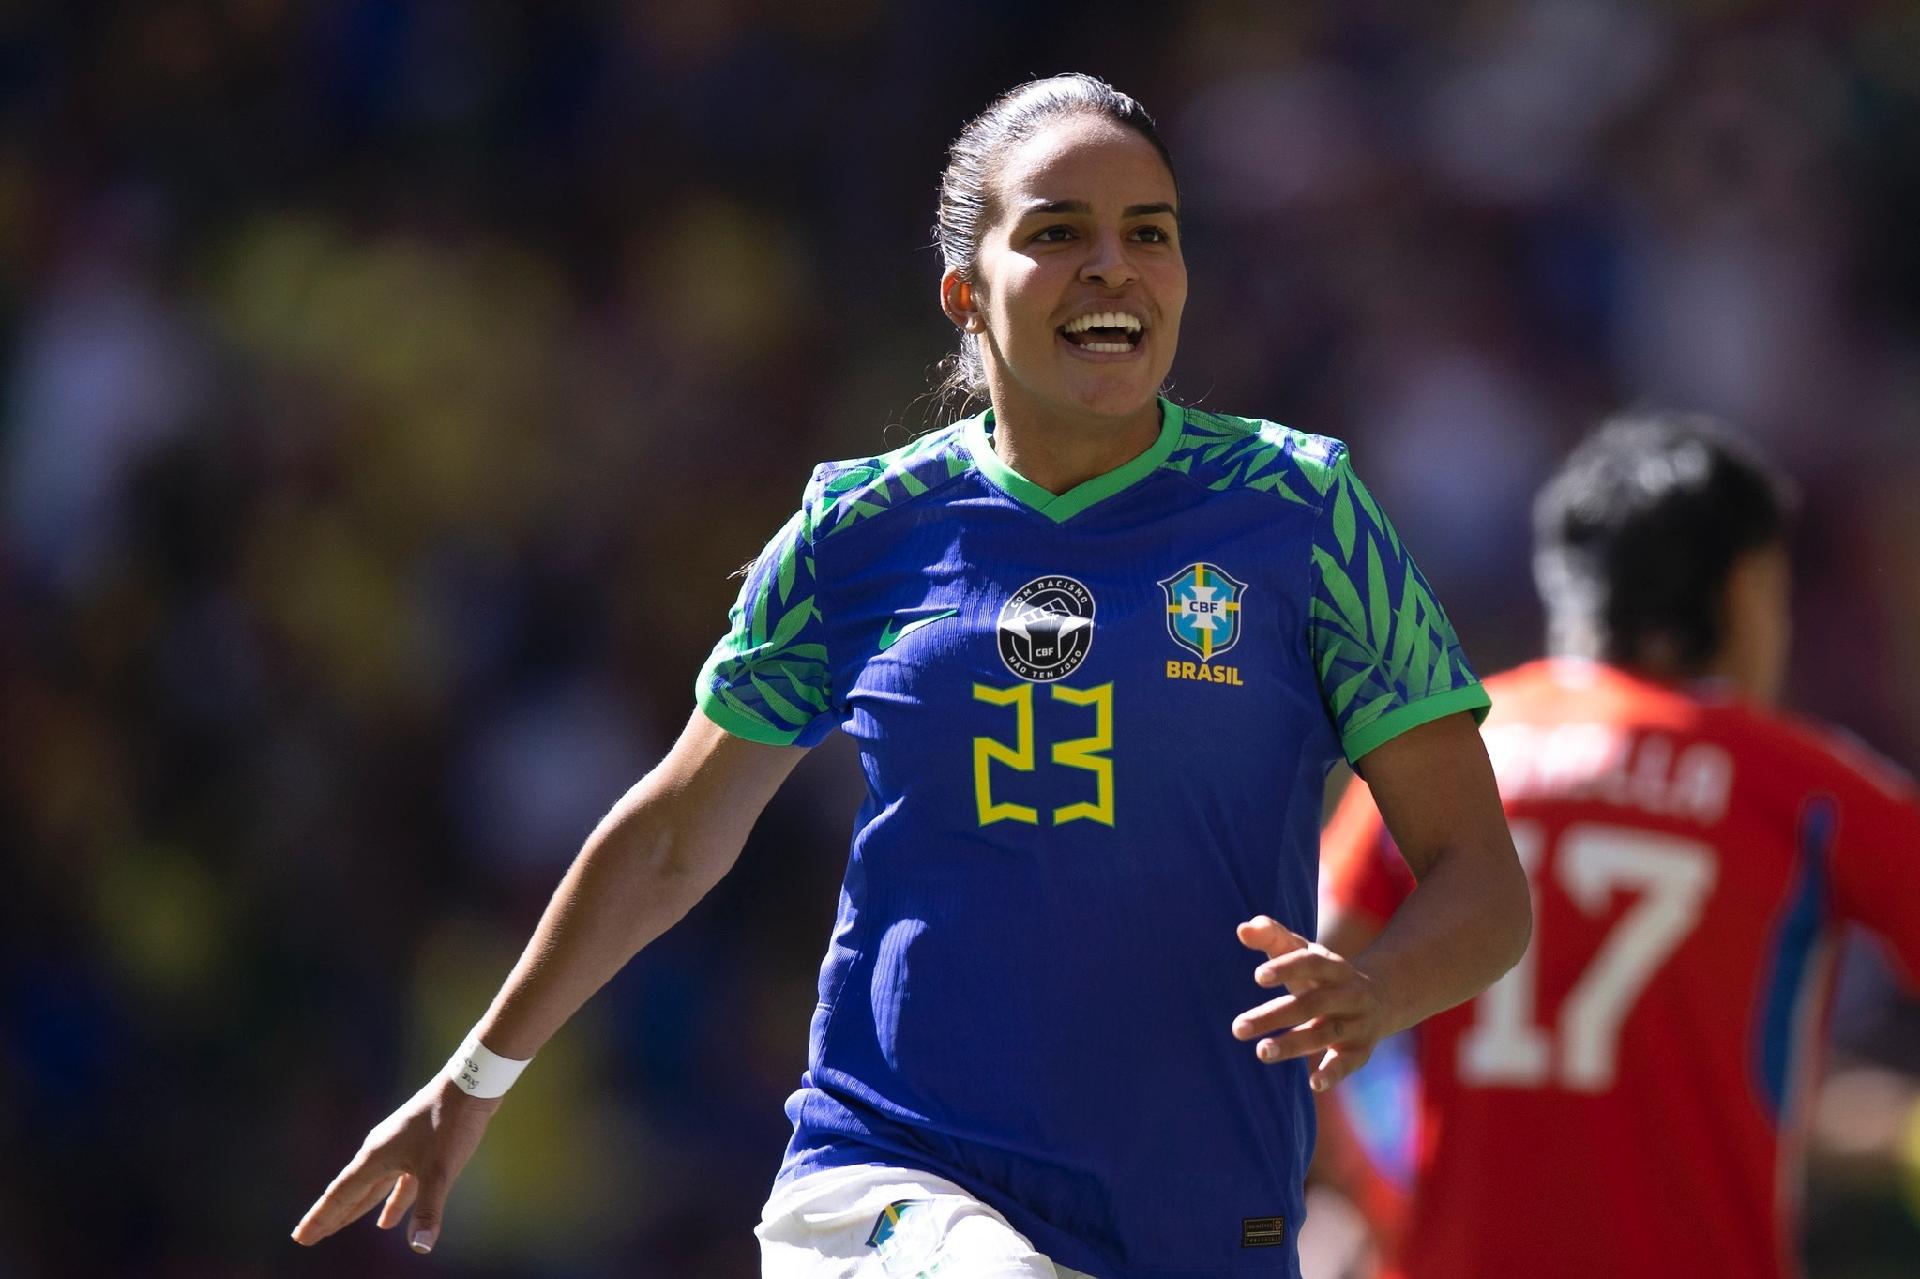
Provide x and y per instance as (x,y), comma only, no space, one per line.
(1079,752)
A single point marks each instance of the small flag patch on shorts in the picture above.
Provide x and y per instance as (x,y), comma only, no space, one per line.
(1263,1232)
(888,1223)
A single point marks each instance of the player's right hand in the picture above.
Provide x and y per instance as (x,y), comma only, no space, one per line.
(411,1159)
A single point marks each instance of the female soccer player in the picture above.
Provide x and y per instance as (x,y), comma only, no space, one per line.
(1098,652)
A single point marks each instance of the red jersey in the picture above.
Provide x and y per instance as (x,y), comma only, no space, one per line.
(1627,1100)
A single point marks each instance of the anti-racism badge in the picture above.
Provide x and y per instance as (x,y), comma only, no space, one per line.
(1046,628)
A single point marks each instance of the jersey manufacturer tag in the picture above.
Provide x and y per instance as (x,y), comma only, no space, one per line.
(1263,1232)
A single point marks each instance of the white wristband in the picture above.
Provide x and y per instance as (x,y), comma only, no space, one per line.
(480,1072)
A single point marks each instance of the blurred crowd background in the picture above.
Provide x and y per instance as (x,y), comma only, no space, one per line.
(391,388)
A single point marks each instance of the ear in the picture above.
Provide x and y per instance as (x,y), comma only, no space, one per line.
(960,302)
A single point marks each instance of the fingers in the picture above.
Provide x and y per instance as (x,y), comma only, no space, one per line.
(427,1212)
(405,1190)
(1308,1039)
(366,1202)
(1336,1064)
(1340,1055)
(1328,1001)
(1291,1010)
(1265,933)
(345,1198)
(1328,1012)
(1301,969)
(1317,1020)
(355,1192)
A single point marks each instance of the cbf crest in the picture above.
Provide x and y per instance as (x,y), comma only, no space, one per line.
(1203,609)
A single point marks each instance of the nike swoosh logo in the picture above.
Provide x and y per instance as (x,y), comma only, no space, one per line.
(889,637)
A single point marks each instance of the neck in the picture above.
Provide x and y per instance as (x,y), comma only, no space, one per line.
(1657,660)
(1059,454)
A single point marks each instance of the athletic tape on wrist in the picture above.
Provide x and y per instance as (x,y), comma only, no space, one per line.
(478,1071)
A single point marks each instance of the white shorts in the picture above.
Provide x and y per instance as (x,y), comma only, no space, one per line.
(890,1223)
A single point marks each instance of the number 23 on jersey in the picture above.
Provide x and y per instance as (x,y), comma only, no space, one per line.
(1088,754)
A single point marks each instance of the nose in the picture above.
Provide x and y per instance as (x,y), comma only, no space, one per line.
(1107,263)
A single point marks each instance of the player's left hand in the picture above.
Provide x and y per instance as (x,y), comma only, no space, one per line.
(1332,1009)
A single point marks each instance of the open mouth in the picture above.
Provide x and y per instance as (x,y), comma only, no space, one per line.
(1105,332)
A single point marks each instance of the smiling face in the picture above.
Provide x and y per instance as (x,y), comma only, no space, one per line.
(1079,283)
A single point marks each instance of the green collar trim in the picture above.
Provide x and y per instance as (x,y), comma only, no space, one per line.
(977,434)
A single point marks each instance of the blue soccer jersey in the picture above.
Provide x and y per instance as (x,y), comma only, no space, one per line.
(1095,729)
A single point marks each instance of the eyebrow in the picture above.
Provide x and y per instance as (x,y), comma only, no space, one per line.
(1081,206)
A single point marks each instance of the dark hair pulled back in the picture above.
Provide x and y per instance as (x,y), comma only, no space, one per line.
(1635,536)
(967,187)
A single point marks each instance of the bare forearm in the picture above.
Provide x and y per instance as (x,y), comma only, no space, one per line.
(630,883)
(1469,919)
(659,850)
(1465,925)
(656,853)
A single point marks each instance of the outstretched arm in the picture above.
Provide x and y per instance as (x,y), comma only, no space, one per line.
(663,845)
(1466,923)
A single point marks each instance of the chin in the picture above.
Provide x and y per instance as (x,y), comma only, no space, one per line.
(1112,399)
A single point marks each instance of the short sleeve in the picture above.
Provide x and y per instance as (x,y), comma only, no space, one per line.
(1385,653)
(1361,870)
(768,680)
(1876,857)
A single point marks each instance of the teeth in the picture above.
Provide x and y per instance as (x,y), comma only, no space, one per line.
(1111,348)
(1104,320)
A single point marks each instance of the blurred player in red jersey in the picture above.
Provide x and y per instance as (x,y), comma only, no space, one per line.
(1629,1099)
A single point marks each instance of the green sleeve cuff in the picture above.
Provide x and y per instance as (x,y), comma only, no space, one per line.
(734,722)
(1379,731)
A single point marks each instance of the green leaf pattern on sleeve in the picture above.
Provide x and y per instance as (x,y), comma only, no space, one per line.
(851,493)
(1235,452)
(768,680)
(1381,644)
